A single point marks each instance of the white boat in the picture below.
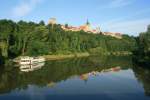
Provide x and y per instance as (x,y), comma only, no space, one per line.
(26,60)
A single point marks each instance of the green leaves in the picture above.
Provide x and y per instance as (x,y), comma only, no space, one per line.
(36,48)
(29,38)
(142,54)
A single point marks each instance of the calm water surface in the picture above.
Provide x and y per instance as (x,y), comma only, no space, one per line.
(106,78)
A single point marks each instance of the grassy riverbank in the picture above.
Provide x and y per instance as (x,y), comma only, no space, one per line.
(121,53)
(85,54)
(79,55)
(62,56)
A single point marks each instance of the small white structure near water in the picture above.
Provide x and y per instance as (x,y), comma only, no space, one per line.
(26,60)
(27,64)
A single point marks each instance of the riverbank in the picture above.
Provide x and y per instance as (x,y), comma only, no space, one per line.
(61,56)
(120,53)
(79,55)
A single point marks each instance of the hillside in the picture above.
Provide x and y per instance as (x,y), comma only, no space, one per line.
(29,38)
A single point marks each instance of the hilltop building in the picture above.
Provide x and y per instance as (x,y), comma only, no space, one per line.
(86,28)
(116,35)
(52,21)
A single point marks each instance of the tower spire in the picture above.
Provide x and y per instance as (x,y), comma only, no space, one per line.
(87,23)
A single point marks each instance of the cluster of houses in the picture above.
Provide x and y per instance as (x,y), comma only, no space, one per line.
(116,35)
(86,28)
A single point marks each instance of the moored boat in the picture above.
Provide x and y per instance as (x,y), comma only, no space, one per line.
(26,60)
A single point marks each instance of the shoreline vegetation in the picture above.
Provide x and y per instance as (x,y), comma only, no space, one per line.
(37,39)
(81,55)
(66,56)
(141,55)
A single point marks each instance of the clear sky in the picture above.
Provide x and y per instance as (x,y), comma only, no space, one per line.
(125,16)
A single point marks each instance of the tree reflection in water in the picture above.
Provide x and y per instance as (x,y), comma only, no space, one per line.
(53,72)
(143,76)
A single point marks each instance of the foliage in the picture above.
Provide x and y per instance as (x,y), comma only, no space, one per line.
(142,53)
(29,38)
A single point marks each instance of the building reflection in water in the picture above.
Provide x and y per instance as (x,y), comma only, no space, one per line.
(32,67)
(95,73)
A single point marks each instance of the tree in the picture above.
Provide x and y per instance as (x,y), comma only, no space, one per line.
(7,28)
(148,28)
(41,23)
(25,33)
(142,54)
(29,38)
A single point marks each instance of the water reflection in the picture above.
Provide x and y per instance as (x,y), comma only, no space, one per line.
(31,67)
(143,76)
(95,73)
(112,75)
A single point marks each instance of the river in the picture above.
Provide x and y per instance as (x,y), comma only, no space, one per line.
(89,78)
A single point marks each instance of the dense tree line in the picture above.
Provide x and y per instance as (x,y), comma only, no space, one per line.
(142,53)
(29,38)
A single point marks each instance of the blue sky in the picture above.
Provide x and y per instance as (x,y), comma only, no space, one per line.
(125,16)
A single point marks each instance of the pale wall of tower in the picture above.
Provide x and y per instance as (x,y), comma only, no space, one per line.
(52,21)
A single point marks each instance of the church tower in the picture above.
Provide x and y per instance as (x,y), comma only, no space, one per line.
(52,21)
(88,25)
